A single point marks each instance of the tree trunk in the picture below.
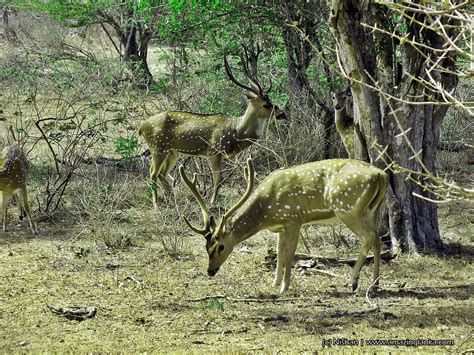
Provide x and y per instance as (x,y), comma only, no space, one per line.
(135,52)
(369,59)
(10,33)
(304,105)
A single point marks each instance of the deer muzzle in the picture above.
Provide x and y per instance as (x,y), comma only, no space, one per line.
(280,114)
(212,272)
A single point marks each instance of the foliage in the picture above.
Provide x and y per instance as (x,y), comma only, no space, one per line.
(126,147)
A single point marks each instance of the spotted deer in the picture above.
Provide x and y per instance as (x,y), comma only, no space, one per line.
(13,175)
(328,191)
(170,134)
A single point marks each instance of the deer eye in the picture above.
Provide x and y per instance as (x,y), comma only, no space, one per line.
(267,105)
(220,248)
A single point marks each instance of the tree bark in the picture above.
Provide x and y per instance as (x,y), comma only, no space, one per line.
(369,58)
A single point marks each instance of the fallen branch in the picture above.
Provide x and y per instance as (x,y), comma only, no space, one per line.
(253,300)
(270,259)
(454,146)
(74,313)
(122,163)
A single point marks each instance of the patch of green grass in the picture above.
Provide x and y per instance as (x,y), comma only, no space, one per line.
(211,304)
(81,252)
(118,240)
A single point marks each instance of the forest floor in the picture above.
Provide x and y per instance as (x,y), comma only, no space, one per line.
(146,277)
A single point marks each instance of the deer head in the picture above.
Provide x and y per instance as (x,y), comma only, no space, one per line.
(259,101)
(339,98)
(218,243)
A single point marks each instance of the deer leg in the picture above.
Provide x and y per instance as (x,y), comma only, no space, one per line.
(26,207)
(168,165)
(376,246)
(19,206)
(364,228)
(158,159)
(292,232)
(165,168)
(364,250)
(5,200)
(280,260)
(216,167)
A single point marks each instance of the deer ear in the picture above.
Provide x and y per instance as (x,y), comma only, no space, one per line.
(228,225)
(250,95)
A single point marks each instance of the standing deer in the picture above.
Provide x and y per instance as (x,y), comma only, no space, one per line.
(344,124)
(13,174)
(215,136)
(338,190)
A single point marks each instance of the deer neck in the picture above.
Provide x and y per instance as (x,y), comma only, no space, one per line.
(341,119)
(244,224)
(340,116)
(250,125)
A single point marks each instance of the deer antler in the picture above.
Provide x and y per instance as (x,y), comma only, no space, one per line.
(249,173)
(234,80)
(347,90)
(251,75)
(205,211)
(269,88)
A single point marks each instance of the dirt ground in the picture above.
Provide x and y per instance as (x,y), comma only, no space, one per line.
(154,296)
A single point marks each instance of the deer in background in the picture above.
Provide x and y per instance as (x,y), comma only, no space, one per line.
(215,136)
(344,123)
(338,190)
(346,126)
(13,175)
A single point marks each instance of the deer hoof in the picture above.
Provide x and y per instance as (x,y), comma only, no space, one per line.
(355,285)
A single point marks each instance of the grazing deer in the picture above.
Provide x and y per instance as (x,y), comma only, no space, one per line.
(338,190)
(13,174)
(215,136)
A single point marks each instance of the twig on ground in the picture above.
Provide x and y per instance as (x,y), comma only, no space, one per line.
(254,300)
(321,272)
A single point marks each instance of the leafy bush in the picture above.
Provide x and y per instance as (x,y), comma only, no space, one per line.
(126,147)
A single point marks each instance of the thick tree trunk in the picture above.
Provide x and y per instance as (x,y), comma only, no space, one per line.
(369,60)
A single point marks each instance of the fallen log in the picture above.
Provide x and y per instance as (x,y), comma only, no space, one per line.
(270,259)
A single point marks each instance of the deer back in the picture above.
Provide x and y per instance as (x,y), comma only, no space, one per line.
(13,169)
(311,192)
(193,133)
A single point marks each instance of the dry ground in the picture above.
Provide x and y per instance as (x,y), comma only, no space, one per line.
(145,274)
